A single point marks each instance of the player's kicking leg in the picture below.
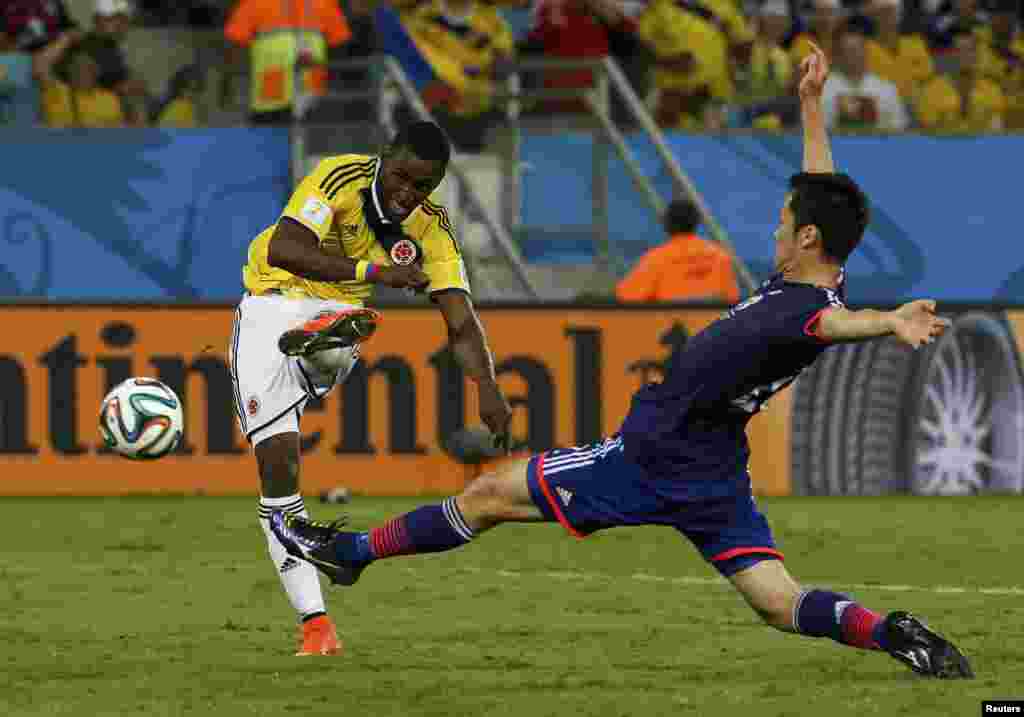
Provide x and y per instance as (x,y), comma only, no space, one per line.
(271,389)
(499,497)
(770,590)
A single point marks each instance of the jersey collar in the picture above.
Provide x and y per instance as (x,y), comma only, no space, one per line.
(373,193)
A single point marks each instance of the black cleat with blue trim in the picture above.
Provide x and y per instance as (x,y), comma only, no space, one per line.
(314,542)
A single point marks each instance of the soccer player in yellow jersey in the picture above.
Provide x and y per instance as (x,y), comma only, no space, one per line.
(356,221)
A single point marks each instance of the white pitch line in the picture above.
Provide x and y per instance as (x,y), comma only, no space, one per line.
(722,582)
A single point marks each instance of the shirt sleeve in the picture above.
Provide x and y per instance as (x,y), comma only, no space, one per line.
(729,289)
(241,26)
(800,319)
(309,206)
(442,258)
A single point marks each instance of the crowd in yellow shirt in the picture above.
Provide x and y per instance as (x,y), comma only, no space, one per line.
(715,66)
(711,64)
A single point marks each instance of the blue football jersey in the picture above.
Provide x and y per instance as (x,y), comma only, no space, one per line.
(692,425)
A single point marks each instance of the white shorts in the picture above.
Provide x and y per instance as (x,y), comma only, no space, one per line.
(271,389)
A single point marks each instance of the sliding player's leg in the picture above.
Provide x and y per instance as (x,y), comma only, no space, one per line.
(497,497)
(585,489)
(784,605)
(743,551)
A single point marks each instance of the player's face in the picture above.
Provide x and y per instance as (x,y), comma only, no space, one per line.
(405,182)
(785,238)
(852,56)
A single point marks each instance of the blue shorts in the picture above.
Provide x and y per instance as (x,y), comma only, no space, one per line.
(590,488)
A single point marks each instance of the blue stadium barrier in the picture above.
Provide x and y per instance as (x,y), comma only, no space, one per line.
(135,214)
(943,222)
(154,215)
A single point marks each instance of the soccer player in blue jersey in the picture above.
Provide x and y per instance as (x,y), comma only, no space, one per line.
(680,458)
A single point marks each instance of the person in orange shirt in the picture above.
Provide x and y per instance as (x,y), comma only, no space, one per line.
(685,268)
(284,36)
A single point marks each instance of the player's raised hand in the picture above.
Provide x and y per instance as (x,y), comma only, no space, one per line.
(496,413)
(916,324)
(813,73)
(402,277)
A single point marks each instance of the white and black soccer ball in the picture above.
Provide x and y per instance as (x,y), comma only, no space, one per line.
(141,418)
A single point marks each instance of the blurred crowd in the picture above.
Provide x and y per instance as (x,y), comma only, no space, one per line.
(944,66)
(57,73)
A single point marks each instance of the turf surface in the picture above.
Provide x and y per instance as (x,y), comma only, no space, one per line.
(169,606)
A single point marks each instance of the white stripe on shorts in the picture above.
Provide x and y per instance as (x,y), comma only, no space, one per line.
(566,466)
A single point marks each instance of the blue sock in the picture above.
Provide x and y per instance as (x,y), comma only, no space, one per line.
(816,614)
(820,613)
(428,529)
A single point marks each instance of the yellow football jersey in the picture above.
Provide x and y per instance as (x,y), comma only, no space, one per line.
(940,107)
(909,67)
(328,202)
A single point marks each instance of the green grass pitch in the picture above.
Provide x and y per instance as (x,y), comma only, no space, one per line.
(169,606)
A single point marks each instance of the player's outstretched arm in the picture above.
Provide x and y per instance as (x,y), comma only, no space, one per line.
(817,150)
(296,249)
(469,344)
(915,324)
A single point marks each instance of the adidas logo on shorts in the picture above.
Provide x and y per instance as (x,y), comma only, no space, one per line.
(288,564)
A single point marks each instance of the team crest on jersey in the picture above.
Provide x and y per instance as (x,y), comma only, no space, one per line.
(404,252)
(253,405)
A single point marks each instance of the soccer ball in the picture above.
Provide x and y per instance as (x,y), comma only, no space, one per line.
(141,419)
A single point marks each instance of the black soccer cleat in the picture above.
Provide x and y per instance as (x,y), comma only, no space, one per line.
(329,330)
(314,542)
(911,642)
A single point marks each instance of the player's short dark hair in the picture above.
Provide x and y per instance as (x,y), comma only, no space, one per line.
(681,217)
(425,140)
(835,205)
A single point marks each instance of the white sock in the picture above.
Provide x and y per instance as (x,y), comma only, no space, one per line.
(299,578)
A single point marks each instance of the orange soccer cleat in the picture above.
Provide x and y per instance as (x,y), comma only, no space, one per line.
(329,330)
(318,637)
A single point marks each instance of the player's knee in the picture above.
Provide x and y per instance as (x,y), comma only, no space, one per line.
(776,609)
(485,499)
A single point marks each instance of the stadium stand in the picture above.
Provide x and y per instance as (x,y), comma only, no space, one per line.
(696,65)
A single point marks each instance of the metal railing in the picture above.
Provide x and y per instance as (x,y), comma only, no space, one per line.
(608,75)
